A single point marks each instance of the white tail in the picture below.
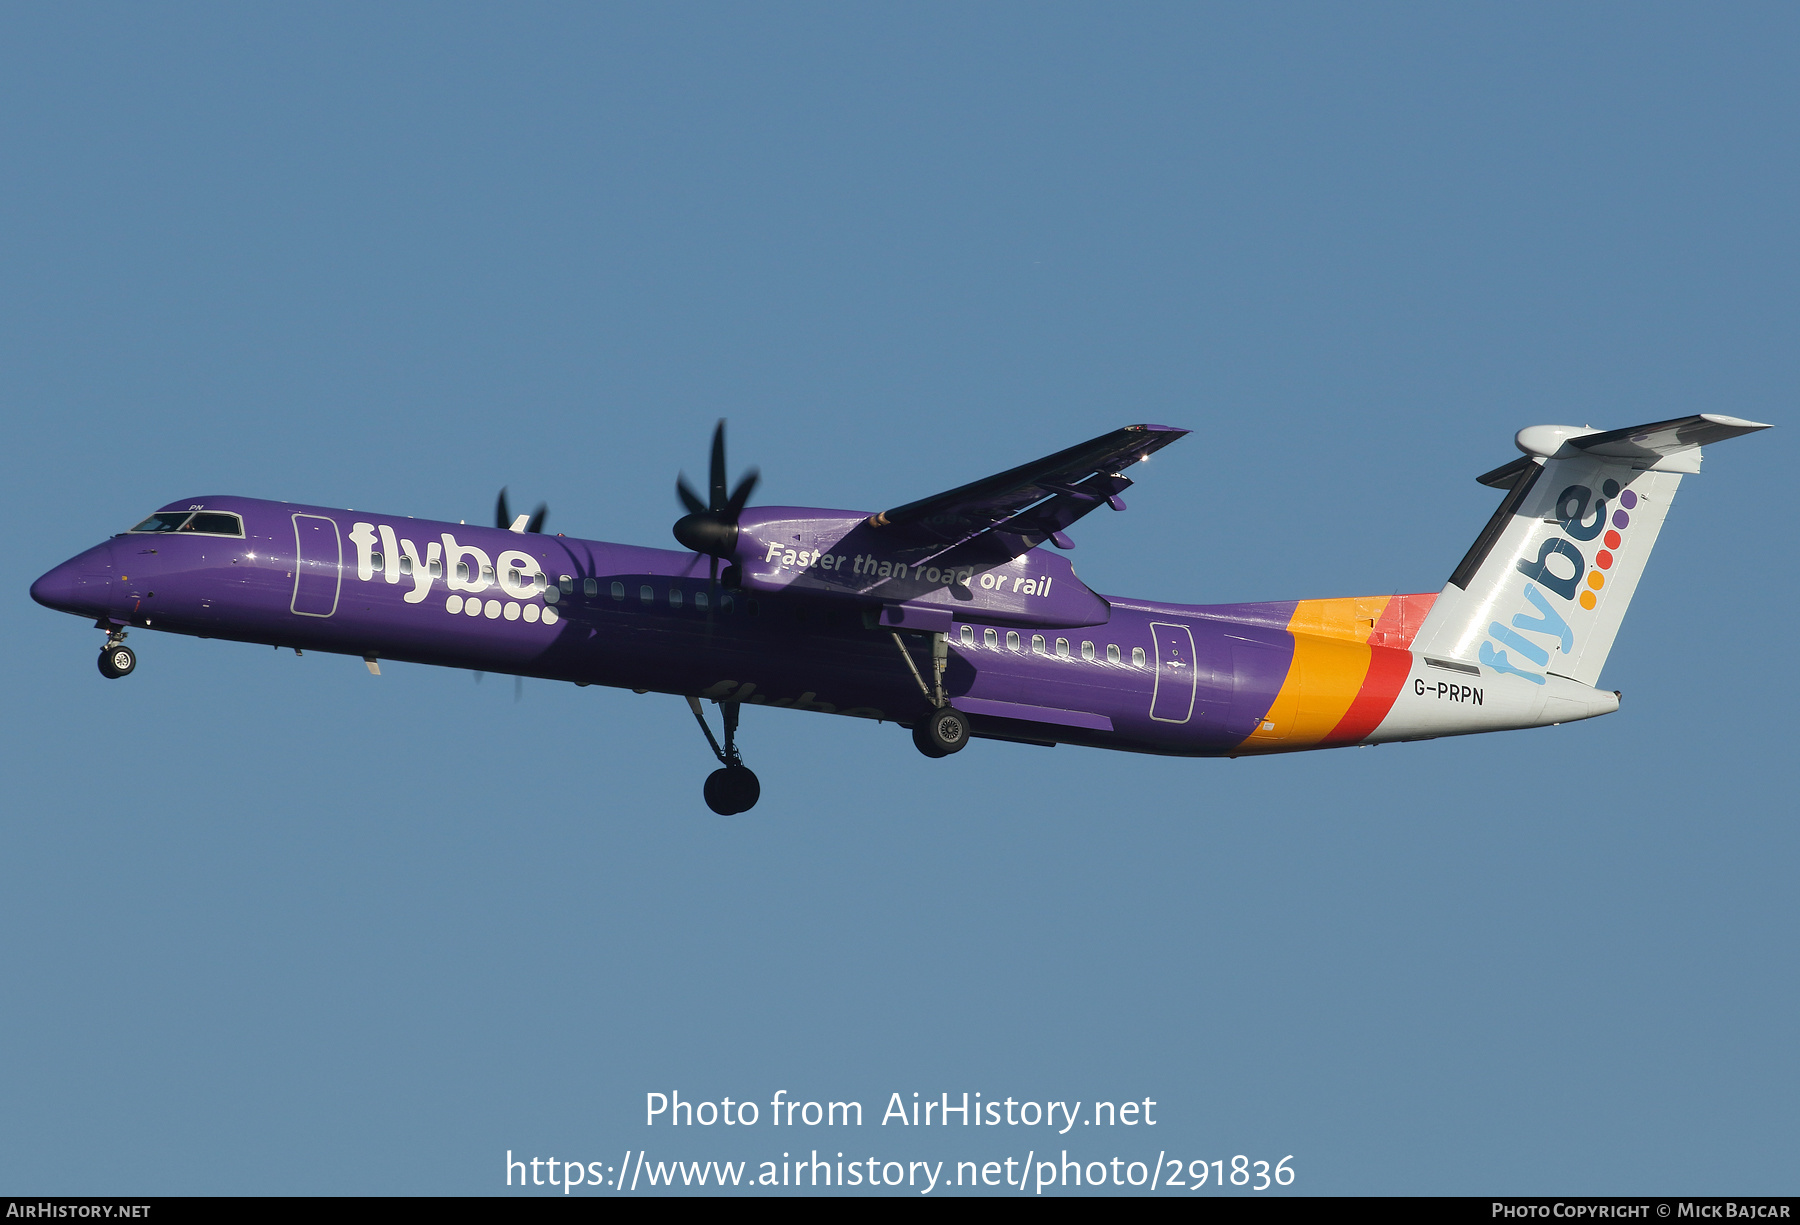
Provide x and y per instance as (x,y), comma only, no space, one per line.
(1546,585)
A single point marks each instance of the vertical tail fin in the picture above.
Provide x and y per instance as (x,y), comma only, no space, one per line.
(1546,585)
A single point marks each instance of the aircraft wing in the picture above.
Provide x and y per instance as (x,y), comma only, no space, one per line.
(1022,507)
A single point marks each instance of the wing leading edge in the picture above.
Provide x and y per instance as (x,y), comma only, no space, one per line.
(1023,507)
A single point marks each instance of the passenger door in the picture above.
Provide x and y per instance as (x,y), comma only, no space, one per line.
(1172,701)
(318,565)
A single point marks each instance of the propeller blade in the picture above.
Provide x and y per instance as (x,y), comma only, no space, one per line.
(537,517)
(711,527)
(718,468)
(688,498)
(740,497)
(502,517)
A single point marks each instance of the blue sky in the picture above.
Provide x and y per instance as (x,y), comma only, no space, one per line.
(273,925)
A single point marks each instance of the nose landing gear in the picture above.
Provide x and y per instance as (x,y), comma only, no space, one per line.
(734,787)
(116,659)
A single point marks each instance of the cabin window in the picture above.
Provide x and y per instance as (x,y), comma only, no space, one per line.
(378,561)
(1062,648)
(701,601)
(1087,651)
(968,635)
(462,571)
(435,568)
(1012,640)
(618,591)
(726,603)
(674,597)
(513,577)
(590,587)
(646,595)
(1112,653)
(567,584)
(487,574)
(1037,644)
(405,564)
(990,640)
(1137,657)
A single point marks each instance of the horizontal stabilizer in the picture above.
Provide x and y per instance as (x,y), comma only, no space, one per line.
(1665,438)
(1667,446)
(1506,475)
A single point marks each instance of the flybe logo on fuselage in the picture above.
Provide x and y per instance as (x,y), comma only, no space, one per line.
(1555,554)
(466,570)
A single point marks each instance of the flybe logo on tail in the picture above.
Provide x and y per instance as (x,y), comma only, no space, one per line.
(1559,568)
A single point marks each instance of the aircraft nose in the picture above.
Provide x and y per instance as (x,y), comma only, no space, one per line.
(80,585)
(57,588)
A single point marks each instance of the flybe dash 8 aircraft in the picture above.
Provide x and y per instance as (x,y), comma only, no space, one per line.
(945,615)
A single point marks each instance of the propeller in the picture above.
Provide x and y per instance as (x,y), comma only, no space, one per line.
(503,515)
(711,527)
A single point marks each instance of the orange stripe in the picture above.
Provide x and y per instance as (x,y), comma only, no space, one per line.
(1353,617)
(1326,675)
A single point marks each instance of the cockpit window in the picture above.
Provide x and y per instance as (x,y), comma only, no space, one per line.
(214,523)
(163,521)
(202,523)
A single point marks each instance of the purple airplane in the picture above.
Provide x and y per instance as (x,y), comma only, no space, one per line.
(943,615)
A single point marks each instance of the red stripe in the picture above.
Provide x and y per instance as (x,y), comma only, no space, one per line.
(1388,670)
(1399,621)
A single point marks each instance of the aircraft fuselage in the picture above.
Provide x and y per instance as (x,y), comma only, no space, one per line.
(1206,680)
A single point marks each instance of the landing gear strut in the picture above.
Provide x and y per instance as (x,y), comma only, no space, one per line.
(733,788)
(116,659)
(945,730)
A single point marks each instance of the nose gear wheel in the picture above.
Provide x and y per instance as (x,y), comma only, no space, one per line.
(116,661)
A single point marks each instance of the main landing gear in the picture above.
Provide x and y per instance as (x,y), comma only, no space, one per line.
(945,730)
(733,788)
(116,659)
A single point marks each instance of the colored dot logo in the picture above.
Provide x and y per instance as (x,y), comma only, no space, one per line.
(493,610)
(1604,560)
